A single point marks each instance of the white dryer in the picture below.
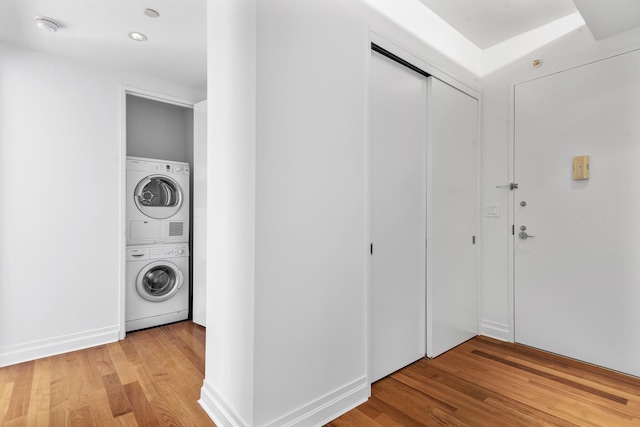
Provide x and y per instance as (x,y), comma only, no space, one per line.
(157,201)
(157,285)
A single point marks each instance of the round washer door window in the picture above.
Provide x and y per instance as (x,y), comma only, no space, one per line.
(158,196)
(159,281)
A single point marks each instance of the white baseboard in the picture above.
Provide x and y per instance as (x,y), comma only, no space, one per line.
(217,409)
(326,408)
(495,330)
(11,355)
(316,413)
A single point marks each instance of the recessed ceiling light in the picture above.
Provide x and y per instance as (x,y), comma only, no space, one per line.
(151,13)
(139,37)
(46,24)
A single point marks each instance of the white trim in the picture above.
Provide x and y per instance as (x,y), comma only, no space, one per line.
(217,409)
(367,220)
(122,244)
(423,64)
(316,413)
(577,64)
(52,346)
(328,407)
(496,330)
(479,218)
(154,96)
(511,295)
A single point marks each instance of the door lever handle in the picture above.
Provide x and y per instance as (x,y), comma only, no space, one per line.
(524,236)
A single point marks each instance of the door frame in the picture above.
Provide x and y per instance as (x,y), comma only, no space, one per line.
(511,288)
(154,96)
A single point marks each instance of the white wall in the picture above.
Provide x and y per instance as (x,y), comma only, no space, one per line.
(287,333)
(61,238)
(227,394)
(311,234)
(159,130)
(576,48)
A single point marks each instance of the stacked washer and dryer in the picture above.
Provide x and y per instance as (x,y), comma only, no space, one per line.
(157,215)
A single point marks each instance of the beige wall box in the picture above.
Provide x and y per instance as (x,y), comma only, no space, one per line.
(581,167)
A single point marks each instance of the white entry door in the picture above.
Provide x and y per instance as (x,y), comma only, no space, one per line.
(577,275)
(398,212)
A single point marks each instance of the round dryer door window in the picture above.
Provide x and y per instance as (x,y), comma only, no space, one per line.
(158,196)
(159,281)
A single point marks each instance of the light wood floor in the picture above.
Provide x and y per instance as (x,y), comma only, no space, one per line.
(484,382)
(153,378)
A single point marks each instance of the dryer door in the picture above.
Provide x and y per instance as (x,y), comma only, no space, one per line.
(158,196)
(159,281)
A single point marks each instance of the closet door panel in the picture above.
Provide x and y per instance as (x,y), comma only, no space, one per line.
(452,217)
(398,209)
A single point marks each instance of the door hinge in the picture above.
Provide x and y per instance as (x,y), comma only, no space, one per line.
(511,186)
(371,249)
(473,240)
(513,230)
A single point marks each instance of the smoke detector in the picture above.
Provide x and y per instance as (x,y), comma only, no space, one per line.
(139,37)
(47,24)
(151,13)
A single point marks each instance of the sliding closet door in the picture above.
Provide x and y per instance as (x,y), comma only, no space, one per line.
(452,217)
(398,212)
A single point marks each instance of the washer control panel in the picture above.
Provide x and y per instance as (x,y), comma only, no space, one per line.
(171,251)
(157,251)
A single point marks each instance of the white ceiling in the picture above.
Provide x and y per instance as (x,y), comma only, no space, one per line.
(607,18)
(97,31)
(489,22)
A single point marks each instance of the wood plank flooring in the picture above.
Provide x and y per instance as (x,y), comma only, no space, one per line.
(153,378)
(485,382)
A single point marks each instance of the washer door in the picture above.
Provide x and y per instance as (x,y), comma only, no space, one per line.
(159,281)
(158,196)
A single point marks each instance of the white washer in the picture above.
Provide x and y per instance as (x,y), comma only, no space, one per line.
(157,285)
(157,201)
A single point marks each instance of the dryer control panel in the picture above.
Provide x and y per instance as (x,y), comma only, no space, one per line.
(159,166)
